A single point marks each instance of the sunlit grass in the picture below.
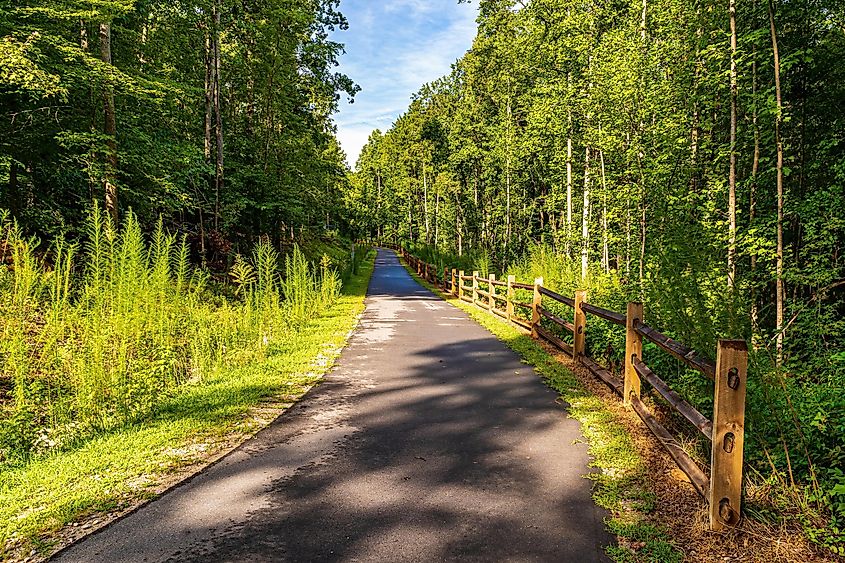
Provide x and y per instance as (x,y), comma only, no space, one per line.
(211,360)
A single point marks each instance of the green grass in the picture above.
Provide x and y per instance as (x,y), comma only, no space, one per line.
(622,485)
(124,465)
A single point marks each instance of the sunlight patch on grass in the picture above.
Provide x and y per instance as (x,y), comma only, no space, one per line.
(118,469)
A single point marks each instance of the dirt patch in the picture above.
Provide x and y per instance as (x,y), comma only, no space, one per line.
(681,511)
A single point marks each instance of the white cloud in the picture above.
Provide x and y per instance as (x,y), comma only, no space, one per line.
(393,48)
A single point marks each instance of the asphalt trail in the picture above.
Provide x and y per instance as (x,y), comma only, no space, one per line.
(430,441)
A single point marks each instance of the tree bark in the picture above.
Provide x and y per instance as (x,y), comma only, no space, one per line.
(568,244)
(209,96)
(779,286)
(218,169)
(109,127)
(752,203)
(605,256)
(425,206)
(585,218)
(732,172)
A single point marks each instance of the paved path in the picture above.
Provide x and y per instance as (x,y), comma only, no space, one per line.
(430,441)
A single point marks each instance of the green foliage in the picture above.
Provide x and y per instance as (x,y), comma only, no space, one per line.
(91,342)
(194,422)
(276,66)
(590,143)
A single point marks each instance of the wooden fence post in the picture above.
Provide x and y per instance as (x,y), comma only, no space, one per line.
(491,303)
(445,278)
(461,284)
(474,287)
(728,433)
(454,287)
(580,326)
(535,304)
(510,294)
(633,348)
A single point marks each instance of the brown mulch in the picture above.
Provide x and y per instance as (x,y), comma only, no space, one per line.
(682,512)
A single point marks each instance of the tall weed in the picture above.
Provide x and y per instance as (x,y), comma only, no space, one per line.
(94,336)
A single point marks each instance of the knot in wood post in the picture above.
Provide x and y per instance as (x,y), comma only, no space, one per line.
(633,349)
(726,453)
(475,287)
(510,295)
(536,303)
(579,334)
(491,302)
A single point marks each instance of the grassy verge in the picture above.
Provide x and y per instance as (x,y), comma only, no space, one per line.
(622,485)
(136,461)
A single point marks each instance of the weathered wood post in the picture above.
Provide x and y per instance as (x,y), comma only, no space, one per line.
(461,284)
(728,433)
(491,302)
(454,287)
(445,278)
(535,306)
(580,326)
(510,294)
(633,348)
(475,287)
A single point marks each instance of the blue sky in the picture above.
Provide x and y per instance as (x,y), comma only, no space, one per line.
(393,47)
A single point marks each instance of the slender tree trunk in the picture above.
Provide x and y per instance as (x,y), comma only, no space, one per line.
(643,20)
(585,218)
(508,179)
(568,245)
(752,204)
(779,286)
(218,169)
(425,206)
(605,256)
(628,240)
(209,96)
(436,217)
(109,127)
(732,172)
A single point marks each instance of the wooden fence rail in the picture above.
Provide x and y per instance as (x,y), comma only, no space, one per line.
(723,487)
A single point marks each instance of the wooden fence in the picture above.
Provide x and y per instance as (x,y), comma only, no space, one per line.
(723,487)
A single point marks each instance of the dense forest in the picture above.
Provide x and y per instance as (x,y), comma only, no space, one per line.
(213,114)
(175,209)
(688,155)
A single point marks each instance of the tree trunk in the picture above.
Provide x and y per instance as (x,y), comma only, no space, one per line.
(218,169)
(732,172)
(436,217)
(425,206)
(109,127)
(752,204)
(508,179)
(568,244)
(605,256)
(585,218)
(209,96)
(779,287)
